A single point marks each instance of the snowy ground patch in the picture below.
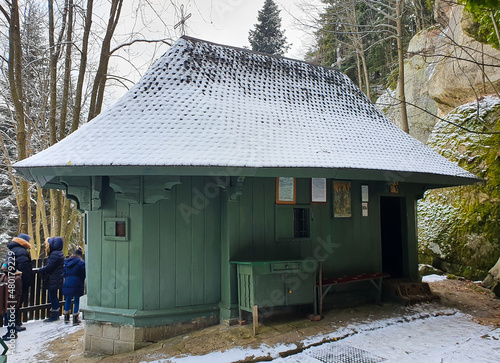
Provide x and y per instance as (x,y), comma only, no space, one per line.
(433,278)
(35,339)
(425,335)
(445,338)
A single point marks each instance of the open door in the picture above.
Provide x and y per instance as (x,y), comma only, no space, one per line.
(392,226)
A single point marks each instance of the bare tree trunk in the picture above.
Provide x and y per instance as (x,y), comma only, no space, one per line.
(100,79)
(45,222)
(365,72)
(52,77)
(55,212)
(401,78)
(83,66)
(495,26)
(39,221)
(67,71)
(358,67)
(65,220)
(16,88)
(73,217)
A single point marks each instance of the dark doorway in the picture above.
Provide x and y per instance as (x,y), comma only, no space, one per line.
(391,227)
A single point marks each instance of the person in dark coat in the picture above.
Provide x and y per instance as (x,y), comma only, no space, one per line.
(74,279)
(52,273)
(19,259)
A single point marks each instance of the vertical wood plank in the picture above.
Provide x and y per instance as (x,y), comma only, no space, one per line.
(151,257)
(246,231)
(198,239)
(167,251)
(183,240)
(93,258)
(212,272)
(122,261)
(269,210)
(136,248)
(108,276)
(258,214)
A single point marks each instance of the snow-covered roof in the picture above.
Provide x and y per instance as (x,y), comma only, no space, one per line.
(209,105)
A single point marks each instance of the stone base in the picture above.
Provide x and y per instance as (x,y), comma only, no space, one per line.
(108,338)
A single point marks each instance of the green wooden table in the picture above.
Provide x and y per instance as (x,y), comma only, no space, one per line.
(265,285)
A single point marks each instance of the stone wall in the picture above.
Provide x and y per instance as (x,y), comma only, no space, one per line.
(108,338)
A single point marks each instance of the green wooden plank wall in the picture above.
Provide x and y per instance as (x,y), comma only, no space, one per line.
(189,245)
(351,244)
(172,258)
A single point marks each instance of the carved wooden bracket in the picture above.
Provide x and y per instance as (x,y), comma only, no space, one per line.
(236,188)
(126,188)
(159,187)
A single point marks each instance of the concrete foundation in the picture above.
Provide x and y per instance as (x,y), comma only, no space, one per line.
(109,338)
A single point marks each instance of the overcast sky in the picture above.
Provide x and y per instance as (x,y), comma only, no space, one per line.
(220,21)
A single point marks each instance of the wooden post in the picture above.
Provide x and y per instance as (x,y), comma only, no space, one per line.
(320,289)
(255,319)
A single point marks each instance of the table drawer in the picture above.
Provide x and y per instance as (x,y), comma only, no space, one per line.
(286,267)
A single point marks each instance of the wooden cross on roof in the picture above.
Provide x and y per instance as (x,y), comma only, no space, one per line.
(182,22)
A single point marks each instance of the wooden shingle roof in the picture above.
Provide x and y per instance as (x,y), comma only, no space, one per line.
(208,105)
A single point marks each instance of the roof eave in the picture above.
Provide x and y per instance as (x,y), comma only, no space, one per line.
(48,177)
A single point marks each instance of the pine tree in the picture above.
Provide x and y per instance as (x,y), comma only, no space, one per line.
(267,36)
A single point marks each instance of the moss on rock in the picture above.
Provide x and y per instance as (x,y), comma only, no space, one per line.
(461,226)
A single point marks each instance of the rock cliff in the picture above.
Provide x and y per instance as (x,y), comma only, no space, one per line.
(452,76)
(445,68)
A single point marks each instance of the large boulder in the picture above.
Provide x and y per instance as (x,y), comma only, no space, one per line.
(492,280)
(442,71)
(459,228)
(467,68)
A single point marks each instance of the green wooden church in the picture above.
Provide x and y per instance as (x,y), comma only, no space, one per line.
(226,179)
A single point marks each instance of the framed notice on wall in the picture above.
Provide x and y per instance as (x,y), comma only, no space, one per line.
(342,199)
(285,190)
(318,190)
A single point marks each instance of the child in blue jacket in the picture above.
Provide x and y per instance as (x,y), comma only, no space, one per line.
(74,278)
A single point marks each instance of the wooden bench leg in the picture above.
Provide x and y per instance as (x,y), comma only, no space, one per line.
(255,319)
(378,286)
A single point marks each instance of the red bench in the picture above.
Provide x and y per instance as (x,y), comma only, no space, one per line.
(374,278)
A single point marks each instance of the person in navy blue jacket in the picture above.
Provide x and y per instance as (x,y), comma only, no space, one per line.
(74,279)
(52,273)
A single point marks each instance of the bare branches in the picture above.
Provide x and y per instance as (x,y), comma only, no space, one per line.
(444,120)
(166,41)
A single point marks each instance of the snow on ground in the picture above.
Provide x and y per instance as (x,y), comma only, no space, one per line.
(433,335)
(35,339)
(433,278)
(439,339)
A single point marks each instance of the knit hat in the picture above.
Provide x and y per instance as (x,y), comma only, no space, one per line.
(24,236)
(78,252)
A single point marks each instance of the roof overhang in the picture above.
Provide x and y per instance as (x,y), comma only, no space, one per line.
(49,177)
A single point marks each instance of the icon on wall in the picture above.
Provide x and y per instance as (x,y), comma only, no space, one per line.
(342,199)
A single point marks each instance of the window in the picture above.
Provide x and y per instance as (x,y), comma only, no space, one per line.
(293,222)
(116,229)
(301,223)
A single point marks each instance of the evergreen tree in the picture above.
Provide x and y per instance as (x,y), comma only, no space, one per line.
(267,36)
